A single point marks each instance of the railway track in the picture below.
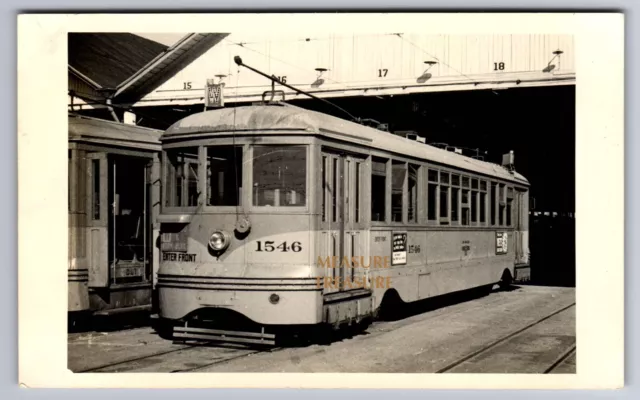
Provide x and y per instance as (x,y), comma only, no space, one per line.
(136,363)
(553,351)
(568,353)
(485,350)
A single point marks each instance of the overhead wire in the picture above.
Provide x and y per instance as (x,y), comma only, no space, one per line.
(400,35)
(91,101)
(279,60)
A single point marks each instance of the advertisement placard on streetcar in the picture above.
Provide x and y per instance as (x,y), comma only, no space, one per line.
(501,243)
(399,248)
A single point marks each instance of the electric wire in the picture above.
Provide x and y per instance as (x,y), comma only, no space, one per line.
(243,45)
(90,101)
(400,35)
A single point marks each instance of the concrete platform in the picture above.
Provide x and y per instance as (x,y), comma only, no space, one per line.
(424,342)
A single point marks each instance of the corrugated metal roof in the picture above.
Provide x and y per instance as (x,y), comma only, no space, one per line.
(166,65)
(271,118)
(110,58)
(115,133)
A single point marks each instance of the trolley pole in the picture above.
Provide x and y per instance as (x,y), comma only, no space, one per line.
(274,80)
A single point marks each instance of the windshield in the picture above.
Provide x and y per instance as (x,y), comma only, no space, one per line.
(224,175)
(182,177)
(279,176)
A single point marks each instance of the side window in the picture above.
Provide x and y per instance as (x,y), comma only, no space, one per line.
(358,189)
(502,205)
(455,198)
(70,172)
(335,187)
(413,190)
(465,207)
(474,200)
(465,201)
(399,176)
(432,195)
(483,202)
(324,188)
(378,189)
(509,206)
(444,198)
(492,197)
(95,189)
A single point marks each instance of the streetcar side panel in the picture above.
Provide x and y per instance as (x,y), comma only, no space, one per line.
(437,262)
(110,214)
(441,229)
(77,271)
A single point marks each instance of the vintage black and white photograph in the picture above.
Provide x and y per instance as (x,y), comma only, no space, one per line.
(268,202)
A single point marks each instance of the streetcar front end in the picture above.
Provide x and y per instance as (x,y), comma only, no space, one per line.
(236,233)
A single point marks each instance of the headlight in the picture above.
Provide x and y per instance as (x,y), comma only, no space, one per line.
(219,241)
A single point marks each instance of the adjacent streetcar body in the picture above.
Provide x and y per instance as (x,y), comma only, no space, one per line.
(291,217)
(111,215)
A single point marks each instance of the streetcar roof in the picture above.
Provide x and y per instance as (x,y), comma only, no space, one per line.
(95,130)
(276,119)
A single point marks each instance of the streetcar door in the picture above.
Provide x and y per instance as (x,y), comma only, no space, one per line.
(97,219)
(331,237)
(354,234)
(521,227)
(342,225)
(129,247)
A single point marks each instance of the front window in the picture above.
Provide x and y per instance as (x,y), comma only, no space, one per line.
(224,175)
(279,176)
(182,177)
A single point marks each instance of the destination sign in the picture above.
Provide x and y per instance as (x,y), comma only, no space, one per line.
(180,257)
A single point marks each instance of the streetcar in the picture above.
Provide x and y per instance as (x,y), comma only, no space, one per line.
(111,210)
(276,216)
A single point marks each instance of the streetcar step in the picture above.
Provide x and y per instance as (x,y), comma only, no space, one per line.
(123,310)
(216,335)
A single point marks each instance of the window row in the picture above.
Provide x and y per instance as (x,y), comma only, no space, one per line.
(451,198)
(279,176)
(279,179)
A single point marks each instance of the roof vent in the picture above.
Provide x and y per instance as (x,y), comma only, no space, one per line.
(508,161)
(416,138)
(454,149)
(411,135)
